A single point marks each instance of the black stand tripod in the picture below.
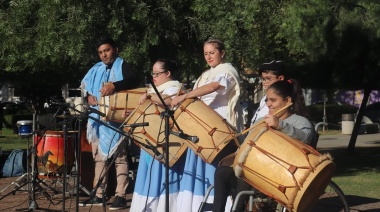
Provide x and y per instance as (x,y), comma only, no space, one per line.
(82,115)
(33,206)
(104,172)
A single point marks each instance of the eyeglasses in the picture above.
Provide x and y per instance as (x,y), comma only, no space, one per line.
(157,74)
(267,79)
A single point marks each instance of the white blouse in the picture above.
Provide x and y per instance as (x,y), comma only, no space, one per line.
(218,100)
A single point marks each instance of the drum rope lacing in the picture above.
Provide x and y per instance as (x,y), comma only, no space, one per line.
(211,130)
(142,113)
(292,168)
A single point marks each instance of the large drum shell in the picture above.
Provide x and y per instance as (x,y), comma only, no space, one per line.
(50,153)
(283,168)
(154,134)
(118,106)
(196,118)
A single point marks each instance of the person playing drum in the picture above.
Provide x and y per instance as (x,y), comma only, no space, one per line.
(218,88)
(278,95)
(149,192)
(105,78)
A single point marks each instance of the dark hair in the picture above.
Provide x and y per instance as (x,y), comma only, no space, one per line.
(275,66)
(106,40)
(218,43)
(291,88)
(168,65)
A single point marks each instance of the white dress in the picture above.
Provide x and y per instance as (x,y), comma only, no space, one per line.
(199,175)
(149,192)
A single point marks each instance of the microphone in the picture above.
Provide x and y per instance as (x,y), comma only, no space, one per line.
(137,124)
(54,101)
(157,154)
(63,104)
(185,136)
(93,110)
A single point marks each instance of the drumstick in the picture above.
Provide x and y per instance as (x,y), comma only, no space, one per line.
(261,121)
(104,105)
(103,101)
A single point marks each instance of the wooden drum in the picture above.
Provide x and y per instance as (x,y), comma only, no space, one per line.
(118,106)
(154,134)
(215,134)
(283,168)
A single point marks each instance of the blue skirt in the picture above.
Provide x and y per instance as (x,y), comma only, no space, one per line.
(149,192)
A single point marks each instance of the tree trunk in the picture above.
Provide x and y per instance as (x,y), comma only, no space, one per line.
(358,121)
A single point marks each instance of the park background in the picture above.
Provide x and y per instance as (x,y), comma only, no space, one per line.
(329,46)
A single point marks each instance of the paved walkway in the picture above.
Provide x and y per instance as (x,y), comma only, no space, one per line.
(342,141)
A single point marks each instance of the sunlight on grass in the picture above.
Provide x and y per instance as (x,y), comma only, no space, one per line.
(364,184)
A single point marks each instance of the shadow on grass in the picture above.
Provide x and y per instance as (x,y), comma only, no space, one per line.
(363,159)
(358,203)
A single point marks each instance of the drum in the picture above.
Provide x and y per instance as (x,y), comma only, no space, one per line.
(118,106)
(24,127)
(85,146)
(283,168)
(215,134)
(154,135)
(50,153)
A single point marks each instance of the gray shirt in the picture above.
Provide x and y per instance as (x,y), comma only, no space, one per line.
(298,127)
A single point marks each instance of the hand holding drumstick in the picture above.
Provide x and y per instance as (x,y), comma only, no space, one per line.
(92,100)
(272,121)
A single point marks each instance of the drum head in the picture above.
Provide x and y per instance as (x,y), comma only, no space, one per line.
(314,185)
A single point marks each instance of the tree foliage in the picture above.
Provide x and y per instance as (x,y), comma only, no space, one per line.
(329,44)
(336,41)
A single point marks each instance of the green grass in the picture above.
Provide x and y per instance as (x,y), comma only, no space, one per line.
(10,141)
(362,184)
(357,173)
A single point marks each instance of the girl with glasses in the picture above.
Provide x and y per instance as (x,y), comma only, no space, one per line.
(149,192)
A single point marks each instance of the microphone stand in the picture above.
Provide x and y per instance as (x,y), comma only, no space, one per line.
(33,206)
(77,152)
(100,180)
(167,114)
(83,115)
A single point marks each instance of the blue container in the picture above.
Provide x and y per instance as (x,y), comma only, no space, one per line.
(24,127)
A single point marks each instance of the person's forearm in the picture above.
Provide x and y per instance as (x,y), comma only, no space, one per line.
(203,90)
(157,100)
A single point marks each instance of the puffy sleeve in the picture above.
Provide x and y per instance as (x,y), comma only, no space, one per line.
(226,81)
(171,91)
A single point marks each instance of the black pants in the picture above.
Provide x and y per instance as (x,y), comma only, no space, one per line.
(226,184)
